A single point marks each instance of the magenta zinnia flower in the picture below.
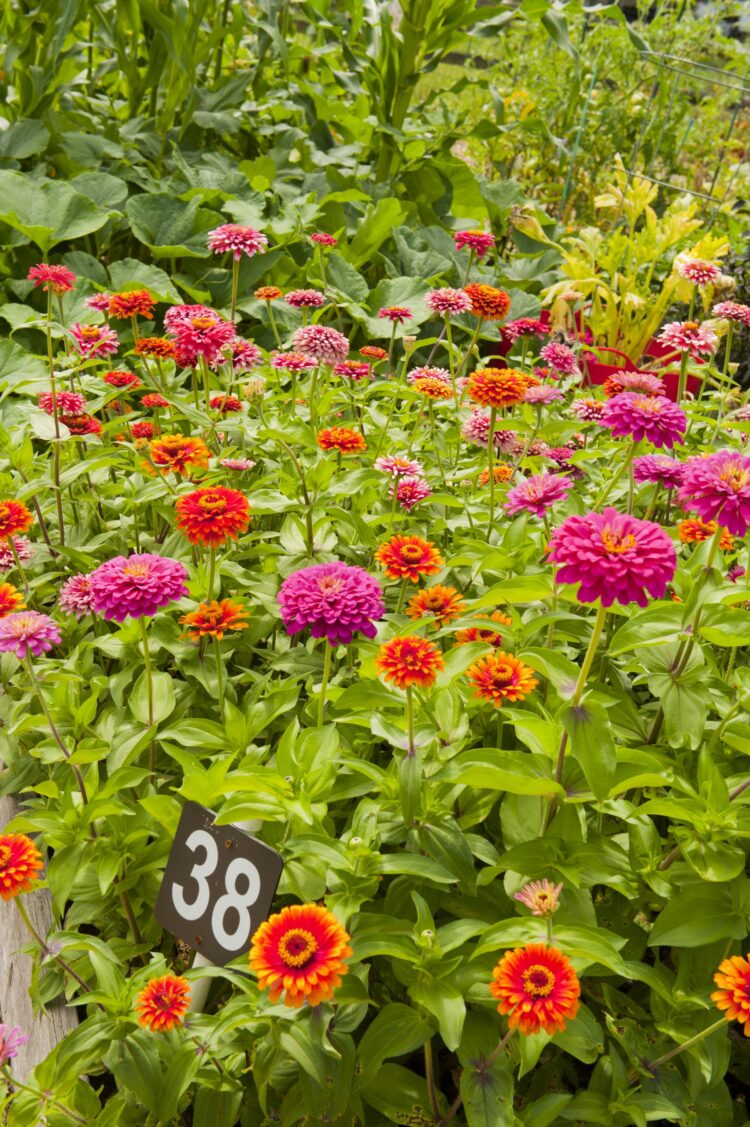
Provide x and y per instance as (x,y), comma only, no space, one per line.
(659,469)
(75,596)
(524,327)
(642,416)
(696,270)
(24,551)
(94,342)
(614,557)
(56,278)
(447,300)
(410,490)
(136,586)
(323,240)
(334,600)
(537,494)
(396,313)
(476,429)
(689,336)
(245,354)
(240,240)
(328,346)
(561,358)
(478,241)
(179,314)
(717,487)
(204,334)
(732,311)
(27,632)
(11,1040)
(68,403)
(305,299)
(292,361)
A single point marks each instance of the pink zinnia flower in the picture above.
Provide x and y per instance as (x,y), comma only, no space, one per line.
(658,468)
(99,301)
(641,416)
(245,354)
(292,361)
(353,370)
(732,311)
(56,278)
(559,454)
(717,487)
(478,241)
(537,494)
(541,896)
(561,358)
(410,491)
(204,334)
(328,346)
(446,300)
(334,600)
(27,632)
(696,270)
(590,410)
(68,403)
(305,299)
(177,314)
(399,467)
(94,342)
(648,383)
(238,464)
(614,557)
(689,336)
(75,596)
(476,429)
(542,394)
(399,313)
(524,327)
(323,240)
(136,586)
(735,573)
(240,240)
(11,1040)
(24,551)
(427,373)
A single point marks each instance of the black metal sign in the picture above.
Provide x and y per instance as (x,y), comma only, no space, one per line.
(218,886)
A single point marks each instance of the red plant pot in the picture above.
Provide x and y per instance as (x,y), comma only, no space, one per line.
(596,372)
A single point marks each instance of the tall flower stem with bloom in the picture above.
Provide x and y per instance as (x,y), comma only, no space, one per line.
(235,287)
(149,691)
(44,1097)
(682,382)
(219,676)
(452,370)
(56,418)
(696,1040)
(55,734)
(306,497)
(410,719)
(272,323)
(64,966)
(623,468)
(725,373)
(327,655)
(588,660)
(491,466)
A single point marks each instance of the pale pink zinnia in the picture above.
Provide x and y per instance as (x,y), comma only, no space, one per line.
(447,300)
(11,1040)
(410,491)
(28,632)
(732,311)
(75,596)
(689,336)
(541,394)
(653,417)
(588,410)
(305,299)
(292,361)
(68,403)
(99,301)
(696,270)
(94,342)
(658,468)
(24,551)
(399,467)
(427,373)
(332,600)
(238,239)
(561,358)
(238,464)
(476,430)
(136,586)
(541,896)
(613,556)
(648,383)
(537,493)
(327,345)
(717,487)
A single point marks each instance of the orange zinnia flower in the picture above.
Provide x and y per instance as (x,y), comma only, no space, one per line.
(131,303)
(488,634)
(695,531)
(20,861)
(212,516)
(268,293)
(159,347)
(501,676)
(443,603)
(409,661)
(341,438)
(179,454)
(300,951)
(497,387)
(214,619)
(487,301)
(408,557)
(14,518)
(163,1003)
(502,473)
(10,599)
(733,978)
(537,986)
(433,388)
(372,352)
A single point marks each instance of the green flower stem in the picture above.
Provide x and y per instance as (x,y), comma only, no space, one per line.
(235,287)
(306,496)
(272,321)
(211,574)
(56,417)
(724,372)
(401,597)
(149,691)
(491,465)
(455,1107)
(683,378)
(623,468)
(696,1040)
(452,370)
(311,398)
(391,409)
(219,676)
(327,655)
(43,1097)
(429,1072)
(55,734)
(19,565)
(464,359)
(391,344)
(62,963)
(410,719)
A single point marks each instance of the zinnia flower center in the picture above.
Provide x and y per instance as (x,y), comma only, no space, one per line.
(297,947)
(329,584)
(691,326)
(643,403)
(735,478)
(90,332)
(615,543)
(538,981)
(202,322)
(501,675)
(411,552)
(137,569)
(4,856)
(213,503)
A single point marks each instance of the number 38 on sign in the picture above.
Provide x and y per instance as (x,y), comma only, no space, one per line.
(218,886)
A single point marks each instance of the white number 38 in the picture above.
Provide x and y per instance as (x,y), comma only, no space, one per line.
(232,898)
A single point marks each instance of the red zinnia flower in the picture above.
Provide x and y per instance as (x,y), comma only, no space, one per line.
(212,516)
(488,302)
(163,1003)
(500,676)
(537,987)
(227,404)
(56,278)
(20,862)
(396,313)
(144,429)
(158,347)
(323,240)
(410,491)
(214,619)
(444,604)
(81,424)
(733,995)
(14,518)
(131,303)
(489,634)
(67,402)
(409,557)
(372,352)
(408,661)
(152,401)
(121,379)
(11,600)
(240,240)
(341,438)
(478,241)
(298,955)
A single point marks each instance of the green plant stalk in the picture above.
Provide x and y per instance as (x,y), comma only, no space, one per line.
(62,963)
(724,372)
(149,692)
(272,322)
(235,284)
(219,677)
(55,734)
(392,407)
(391,343)
(306,496)
(623,468)
(311,398)
(429,1072)
(452,370)
(327,655)
(491,466)
(211,574)
(19,565)
(696,1040)
(682,383)
(43,1097)
(410,719)
(56,418)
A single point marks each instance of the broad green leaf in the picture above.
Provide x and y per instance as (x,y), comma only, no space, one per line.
(396,1030)
(46,211)
(698,916)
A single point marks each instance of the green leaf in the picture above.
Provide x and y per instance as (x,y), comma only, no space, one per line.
(129,273)
(698,916)
(445,1002)
(23,139)
(47,211)
(170,226)
(163,698)
(396,1030)
(493,769)
(399,1095)
(196,733)
(591,743)
(724,626)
